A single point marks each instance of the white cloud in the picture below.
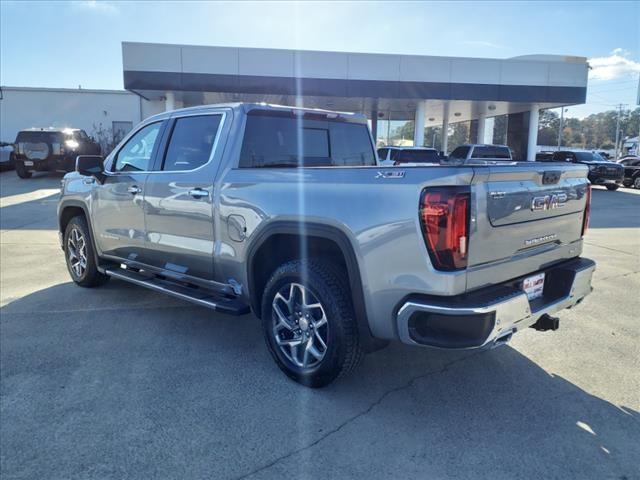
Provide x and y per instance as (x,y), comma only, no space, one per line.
(481,43)
(617,64)
(101,6)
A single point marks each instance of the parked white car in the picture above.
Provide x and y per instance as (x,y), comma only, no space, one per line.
(390,156)
(6,155)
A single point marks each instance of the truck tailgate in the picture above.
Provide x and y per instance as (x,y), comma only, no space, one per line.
(524,218)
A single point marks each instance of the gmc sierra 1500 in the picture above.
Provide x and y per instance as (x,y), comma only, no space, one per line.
(284,212)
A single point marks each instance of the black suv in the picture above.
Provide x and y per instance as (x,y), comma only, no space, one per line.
(51,149)
(631,167)
(601,171)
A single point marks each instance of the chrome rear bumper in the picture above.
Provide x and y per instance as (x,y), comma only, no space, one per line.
(500,311)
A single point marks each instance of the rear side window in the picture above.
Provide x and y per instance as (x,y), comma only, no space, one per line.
(502,152)
(482,152)
(418,156)
(191,142)
(460,153)
(283,141)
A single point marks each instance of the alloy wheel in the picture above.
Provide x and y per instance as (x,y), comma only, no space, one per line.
(636,183)
(77,252)
(300,326)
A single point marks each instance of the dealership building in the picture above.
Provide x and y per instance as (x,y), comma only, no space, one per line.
(390,90)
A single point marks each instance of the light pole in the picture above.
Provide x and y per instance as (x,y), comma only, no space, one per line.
(618,129)
(561,126)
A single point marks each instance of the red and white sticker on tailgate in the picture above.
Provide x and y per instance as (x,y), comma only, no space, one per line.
(533,286)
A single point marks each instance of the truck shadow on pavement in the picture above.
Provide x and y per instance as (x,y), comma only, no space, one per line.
(120,381)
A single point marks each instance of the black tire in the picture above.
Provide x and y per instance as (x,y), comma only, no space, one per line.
(22,171)
(328,285)
(612,188)
(90,276)
(636,182)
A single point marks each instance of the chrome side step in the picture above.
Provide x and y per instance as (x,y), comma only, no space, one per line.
(231,306)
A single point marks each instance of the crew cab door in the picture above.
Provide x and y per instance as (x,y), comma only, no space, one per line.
(179,196)
(118,208)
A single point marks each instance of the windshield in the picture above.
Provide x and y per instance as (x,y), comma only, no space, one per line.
(588,157)
(417,156)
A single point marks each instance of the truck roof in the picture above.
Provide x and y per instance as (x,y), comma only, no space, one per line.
(398,147)
(483,145)
(246,107)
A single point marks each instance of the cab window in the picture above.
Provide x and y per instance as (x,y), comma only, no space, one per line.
(191,142)
(137,153)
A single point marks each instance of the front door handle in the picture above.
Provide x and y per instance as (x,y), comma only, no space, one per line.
(198,193)
(134,189)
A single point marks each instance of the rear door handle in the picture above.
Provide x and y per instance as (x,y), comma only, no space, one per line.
(198,193)
(133,189)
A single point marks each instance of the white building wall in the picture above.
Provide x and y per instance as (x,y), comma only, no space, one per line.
(45,107)
(152,107)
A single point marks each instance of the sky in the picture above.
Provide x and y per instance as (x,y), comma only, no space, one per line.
(66,44)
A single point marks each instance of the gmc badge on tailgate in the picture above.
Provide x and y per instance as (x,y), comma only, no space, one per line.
(549,202)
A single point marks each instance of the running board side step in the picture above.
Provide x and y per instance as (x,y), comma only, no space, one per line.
(230,306)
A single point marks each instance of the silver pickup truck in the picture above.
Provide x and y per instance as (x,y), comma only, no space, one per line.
(285,212)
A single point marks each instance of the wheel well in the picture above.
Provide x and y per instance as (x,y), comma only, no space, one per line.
(287,244)
(67,214)
(281,248)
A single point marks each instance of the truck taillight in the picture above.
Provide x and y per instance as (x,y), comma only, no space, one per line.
(587,211)
(444,214)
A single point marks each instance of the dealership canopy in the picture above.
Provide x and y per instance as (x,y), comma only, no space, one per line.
(430,90)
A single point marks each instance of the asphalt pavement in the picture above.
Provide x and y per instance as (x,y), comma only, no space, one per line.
(121,382)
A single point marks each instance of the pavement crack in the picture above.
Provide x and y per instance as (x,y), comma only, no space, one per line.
(609,248)
(620,275)
(408,384)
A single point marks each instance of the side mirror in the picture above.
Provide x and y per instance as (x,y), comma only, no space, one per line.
(91,166)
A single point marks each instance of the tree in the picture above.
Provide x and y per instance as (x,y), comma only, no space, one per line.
(433,137)
(548,127)
(500,125)
(458,134)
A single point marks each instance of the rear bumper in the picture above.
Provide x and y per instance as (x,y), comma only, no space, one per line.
(493,314)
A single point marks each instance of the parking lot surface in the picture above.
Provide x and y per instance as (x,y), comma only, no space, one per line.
(121,382)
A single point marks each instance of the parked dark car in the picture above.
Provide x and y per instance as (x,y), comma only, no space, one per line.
(601,171)
(631,172)
(51,150)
